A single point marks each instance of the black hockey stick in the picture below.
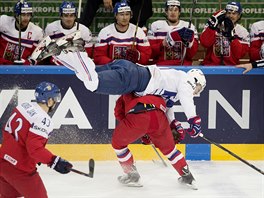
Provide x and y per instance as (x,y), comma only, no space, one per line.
(79,14)
(135,34)
(189,26)
(91,170)
(162,160)
(231,153)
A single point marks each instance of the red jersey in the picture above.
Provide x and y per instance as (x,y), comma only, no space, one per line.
(128,101)
(231,51)
(170,56)
(25,136)
(9,42)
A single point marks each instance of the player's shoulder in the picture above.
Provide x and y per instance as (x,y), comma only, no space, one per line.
(6,20)
(107,31)
(257,27)
(35,28)
(158,25)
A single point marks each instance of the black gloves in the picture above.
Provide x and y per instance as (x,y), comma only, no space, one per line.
(216,19)
(60,165)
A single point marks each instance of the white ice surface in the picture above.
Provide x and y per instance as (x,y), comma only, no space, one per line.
(215,179)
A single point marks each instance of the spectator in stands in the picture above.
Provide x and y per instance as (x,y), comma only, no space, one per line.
(256,51)
(92,6)
(172,41)
(18,36)
(122,40)
(226,40)
(67,25)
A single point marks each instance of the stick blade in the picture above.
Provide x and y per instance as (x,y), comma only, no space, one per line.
(91,167)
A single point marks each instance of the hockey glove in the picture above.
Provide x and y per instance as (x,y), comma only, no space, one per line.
(132,55)
(60,165)
(186,35)
(195,126)
(228,28)
(146,140)
(177,131)
(262,51)
(216,19)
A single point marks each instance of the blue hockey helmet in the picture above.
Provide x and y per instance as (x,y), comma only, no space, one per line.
(46,90)
(172,3)
(22,7)
(234,7)
(121,7)
(68,7)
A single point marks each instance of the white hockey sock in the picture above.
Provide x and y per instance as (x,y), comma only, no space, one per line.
(83,67)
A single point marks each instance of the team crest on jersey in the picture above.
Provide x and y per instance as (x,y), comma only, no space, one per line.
(222,42)
(12,51)
(119,52)
(174,52)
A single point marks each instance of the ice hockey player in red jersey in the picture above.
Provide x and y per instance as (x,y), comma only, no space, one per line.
(117,41)
(140,116)
(171,37)
(224,38)
(24,137)
(12,49)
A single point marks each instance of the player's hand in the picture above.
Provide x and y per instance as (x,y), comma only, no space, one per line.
(132,55)
(228,28)
(108,4)
(195,126)
(247,67)
(61,165)
(216,19)
(146,140)
(187,36)
(177,131)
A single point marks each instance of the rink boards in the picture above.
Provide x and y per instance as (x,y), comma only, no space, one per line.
(231,108)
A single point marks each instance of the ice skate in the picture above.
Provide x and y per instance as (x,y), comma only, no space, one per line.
(48,47)
(131,179)
(188,179)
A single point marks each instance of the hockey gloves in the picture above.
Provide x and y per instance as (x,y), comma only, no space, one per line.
(146,140)
(195,126)
(60,165)
(177,131)
(184,34)
(132,55)
(216,19)
(228,28)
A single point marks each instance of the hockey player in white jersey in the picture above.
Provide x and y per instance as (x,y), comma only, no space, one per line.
(169,38)
(122,76)
(15,48)
(122,39)
(67,25)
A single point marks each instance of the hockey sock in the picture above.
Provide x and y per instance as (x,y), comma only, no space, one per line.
(177,160)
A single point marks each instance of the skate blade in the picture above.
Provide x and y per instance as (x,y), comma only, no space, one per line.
(134,184)
(191,186)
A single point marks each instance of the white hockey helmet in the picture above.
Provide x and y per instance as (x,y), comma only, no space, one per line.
(199,78)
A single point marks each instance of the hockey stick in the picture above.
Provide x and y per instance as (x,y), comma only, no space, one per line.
(231,153)
(19,61)
(91,170)
(79,14)
(135,34)
(162,160)
(189,26)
